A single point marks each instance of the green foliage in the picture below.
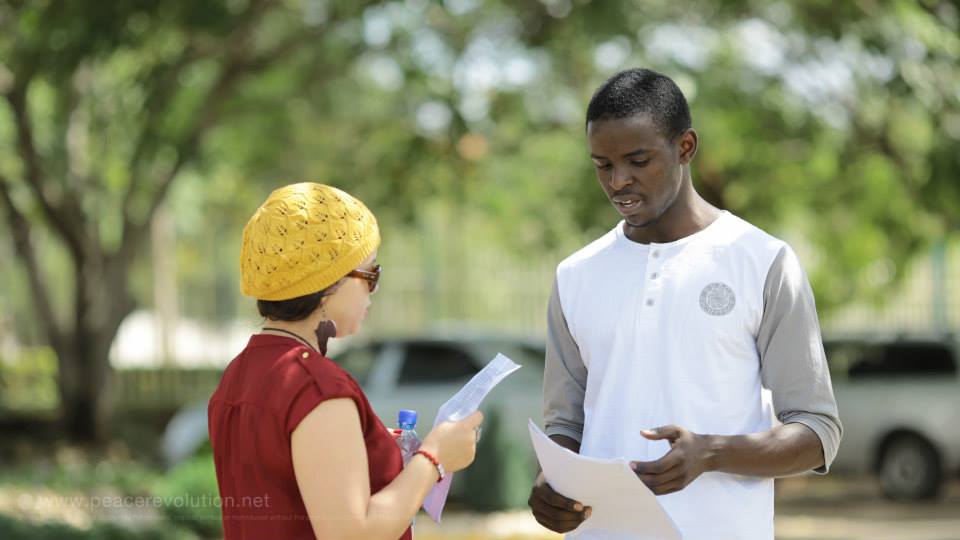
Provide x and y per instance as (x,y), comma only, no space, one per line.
(832,124)
(190,493)
(857,174)
(28,382)
(128,478)
(15,529)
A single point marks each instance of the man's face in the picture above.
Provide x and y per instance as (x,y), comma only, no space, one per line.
(638,168)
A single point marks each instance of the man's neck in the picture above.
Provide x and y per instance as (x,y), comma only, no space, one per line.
(688,215)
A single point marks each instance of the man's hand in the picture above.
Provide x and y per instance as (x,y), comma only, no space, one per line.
(690,456)
(553,510)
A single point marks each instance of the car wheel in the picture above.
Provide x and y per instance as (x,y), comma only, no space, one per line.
(909,469)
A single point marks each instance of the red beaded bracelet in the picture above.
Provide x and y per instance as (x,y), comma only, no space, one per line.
(436,463)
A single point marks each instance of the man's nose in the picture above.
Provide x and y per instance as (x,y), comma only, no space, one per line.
(620,178)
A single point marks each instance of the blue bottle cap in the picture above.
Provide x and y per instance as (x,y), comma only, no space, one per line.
(407,417)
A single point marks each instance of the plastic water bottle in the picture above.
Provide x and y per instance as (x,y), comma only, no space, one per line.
(408,440)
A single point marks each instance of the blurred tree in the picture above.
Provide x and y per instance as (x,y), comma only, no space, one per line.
(107,104)
(834,124)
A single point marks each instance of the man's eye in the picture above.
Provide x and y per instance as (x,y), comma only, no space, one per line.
(641,163)
(602,166)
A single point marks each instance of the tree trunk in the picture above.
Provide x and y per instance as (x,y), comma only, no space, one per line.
(83,382)
(101,298)
(85,373)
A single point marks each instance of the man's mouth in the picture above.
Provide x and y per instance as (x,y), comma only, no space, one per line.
(627,202)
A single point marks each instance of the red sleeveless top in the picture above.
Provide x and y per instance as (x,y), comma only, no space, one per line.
(264,394)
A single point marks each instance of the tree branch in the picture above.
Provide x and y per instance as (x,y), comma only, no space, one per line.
(218,94)
(54,211)
(20,229)
(235,69)
(283,48)
(162,83)
(156,108)
(188,148)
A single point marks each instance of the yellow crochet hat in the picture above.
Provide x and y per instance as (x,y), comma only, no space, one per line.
(303,239)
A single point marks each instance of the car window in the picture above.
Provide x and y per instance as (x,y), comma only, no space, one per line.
(435,363)
(522,353)
(359,361)
(861,360)
(841,356)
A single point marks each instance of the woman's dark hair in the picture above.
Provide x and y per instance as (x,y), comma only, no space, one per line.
(294,309)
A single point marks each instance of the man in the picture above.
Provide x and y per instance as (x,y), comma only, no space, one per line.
(662,333)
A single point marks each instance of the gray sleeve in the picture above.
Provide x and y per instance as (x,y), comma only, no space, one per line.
(564,376)
(792,361)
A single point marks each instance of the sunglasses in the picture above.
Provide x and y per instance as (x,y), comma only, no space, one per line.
(372,277)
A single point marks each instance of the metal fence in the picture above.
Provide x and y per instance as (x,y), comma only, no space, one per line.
(447,285)
(29,385)
(928,300)
(499,291)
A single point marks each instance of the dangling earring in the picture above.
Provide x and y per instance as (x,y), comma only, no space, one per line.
(325,330)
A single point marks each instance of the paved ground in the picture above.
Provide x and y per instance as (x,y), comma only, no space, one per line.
(838,508)
(808,508)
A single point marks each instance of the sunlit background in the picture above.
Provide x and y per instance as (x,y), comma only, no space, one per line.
(137,137)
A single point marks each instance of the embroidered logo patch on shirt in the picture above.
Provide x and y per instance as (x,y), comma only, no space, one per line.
(717,299)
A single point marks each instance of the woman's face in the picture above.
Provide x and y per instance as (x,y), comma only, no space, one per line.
(347,306)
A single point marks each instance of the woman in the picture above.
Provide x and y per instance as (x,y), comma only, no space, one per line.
(299,451)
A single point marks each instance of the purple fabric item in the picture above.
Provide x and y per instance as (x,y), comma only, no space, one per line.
(437,498)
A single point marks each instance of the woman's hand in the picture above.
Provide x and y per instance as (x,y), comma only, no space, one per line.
(454,443)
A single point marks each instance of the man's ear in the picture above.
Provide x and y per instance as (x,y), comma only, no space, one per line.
(687,144)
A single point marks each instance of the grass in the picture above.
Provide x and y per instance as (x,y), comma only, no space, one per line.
(52,489)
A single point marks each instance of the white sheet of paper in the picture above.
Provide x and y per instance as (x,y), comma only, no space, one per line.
(460,406)
(620,502)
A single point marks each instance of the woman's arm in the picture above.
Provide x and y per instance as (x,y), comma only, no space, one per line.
(330,463)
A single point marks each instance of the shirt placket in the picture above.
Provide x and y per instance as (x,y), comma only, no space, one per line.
(653,289)
(648,345)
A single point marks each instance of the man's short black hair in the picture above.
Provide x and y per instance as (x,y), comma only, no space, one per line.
(642,91)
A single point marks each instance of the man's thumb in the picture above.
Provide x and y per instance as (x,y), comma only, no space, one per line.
(669,433)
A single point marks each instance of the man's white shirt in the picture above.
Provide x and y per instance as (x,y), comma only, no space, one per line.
(687,333)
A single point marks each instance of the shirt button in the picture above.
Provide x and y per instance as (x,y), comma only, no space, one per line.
(305,355)
(654,275)
(656,254)
(650,302)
